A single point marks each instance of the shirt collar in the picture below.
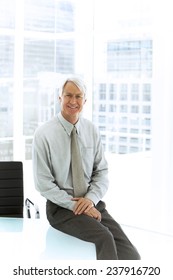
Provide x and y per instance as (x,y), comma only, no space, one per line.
(67,125)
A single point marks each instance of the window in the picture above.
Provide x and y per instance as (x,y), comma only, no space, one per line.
(146,109)
(134,96)
(123,92)
(146,131)
(103,88)
(134,130)
(102,119)
(132,55)
(51,45)
(135,109)
(113,91)
(102,108)
(146,122)
(112,108)
(135,92)
(102,96)
(123,120)
(135,88)
(134,121)
(134,140)
(134,149)
(123,108)
(122,149)
(123,139)
(102,128)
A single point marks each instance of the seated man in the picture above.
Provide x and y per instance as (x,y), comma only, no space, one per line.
(70,171)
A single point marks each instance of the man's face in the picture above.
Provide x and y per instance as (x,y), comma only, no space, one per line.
(72,101)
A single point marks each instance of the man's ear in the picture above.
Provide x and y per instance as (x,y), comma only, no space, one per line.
(59,98)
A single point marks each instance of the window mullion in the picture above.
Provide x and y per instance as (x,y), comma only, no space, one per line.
(18,144)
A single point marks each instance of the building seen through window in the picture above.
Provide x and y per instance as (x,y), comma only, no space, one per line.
(41,41)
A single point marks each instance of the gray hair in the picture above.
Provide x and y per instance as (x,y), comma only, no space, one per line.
(77,81)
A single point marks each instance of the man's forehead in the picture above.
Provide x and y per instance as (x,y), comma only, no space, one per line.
(71,87)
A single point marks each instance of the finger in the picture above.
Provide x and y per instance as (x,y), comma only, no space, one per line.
(89,207)
(89,214)
(81,207)
(75,198)
(99,218)
(86,205)
(78,203)
(78,207)
(96,214)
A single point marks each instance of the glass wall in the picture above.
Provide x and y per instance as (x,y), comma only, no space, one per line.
(40,41)
(6,78)
(44,40)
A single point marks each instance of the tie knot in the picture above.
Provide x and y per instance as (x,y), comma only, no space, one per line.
(74,130)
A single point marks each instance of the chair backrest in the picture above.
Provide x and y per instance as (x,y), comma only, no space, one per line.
(11,189)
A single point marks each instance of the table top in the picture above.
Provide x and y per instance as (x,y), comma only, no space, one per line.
(29,239)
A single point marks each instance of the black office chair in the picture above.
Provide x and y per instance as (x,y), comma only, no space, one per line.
(11,191)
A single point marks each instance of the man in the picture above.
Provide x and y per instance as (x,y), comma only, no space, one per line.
(83,216)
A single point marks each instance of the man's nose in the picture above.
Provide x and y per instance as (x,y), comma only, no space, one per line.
(73,99)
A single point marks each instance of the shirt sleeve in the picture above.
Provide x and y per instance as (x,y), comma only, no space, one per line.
(43,176)
(99,179)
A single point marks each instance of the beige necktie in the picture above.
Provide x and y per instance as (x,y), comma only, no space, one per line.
(79,184)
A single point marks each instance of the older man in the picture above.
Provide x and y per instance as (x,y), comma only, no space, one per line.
(74,179)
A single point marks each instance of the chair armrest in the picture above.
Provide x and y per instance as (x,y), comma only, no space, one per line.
(28,202)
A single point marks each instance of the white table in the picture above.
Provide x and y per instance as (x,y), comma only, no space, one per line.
(28,239)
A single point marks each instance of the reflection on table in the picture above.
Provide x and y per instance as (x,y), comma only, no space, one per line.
(28,239)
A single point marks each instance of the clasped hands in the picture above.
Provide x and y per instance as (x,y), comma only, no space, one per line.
(85,206)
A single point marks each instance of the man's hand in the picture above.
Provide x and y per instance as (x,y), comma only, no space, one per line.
(86,206)
(94,213)
(83,205)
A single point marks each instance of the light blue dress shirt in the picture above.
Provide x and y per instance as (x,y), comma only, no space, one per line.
(52,157)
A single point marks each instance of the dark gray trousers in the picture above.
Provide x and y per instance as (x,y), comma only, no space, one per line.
(110,240)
